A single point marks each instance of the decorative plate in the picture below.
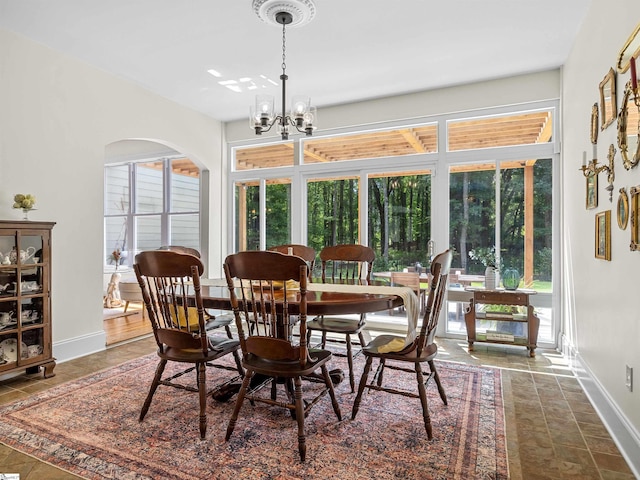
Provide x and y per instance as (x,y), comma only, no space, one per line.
(10,349)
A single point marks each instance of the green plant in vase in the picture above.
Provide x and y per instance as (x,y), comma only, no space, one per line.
(487,257)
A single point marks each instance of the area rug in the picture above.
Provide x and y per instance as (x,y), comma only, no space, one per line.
(90,427)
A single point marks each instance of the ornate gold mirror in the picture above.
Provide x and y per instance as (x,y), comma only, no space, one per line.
(628,129)
(623,209)
(630,49)
(608,108)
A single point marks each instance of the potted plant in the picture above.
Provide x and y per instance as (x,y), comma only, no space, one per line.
(487,257)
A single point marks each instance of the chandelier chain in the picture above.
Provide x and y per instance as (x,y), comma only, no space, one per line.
(284,56)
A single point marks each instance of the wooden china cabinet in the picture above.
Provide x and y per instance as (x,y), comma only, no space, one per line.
(25,298)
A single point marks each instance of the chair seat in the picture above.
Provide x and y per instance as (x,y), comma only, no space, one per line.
(218,321)
(288,368)
(410,354)
(336,325)
(219,348)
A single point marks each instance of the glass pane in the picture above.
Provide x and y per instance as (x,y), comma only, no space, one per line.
(400,220)
(384,143)
(185,186)
(266,156)
(278,212)
(116,190)
(149,196)
(500,131)
(247,200)
(115,239)
(185,230)
(148,233)
(332,212)
(472,216)
(472,220)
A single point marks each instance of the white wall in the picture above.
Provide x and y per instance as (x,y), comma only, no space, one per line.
(56,117)
(601,297)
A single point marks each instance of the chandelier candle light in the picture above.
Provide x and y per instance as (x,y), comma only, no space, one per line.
(302,115)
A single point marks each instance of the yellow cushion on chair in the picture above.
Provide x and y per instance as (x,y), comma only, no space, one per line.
(193,321)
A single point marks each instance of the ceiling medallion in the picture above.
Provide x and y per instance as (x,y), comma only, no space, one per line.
(301,11)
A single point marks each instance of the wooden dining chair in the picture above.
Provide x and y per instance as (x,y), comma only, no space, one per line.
(303,251)
(350,263)
(268,283)
(170,285)
(422,350)
(214,322)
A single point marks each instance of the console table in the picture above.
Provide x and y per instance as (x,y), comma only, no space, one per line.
(510,316)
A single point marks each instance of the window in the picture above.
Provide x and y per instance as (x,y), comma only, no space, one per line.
(505,207)
(150,204)
(470,181)
(277,214)
(332,211)
(526,128)
(400,219)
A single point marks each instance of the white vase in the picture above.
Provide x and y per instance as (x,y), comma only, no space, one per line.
(491,278)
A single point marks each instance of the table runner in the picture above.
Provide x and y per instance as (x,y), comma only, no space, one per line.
(409,298)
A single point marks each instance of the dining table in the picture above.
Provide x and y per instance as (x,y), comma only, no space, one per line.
(339,298)
(322,298)
(336,297)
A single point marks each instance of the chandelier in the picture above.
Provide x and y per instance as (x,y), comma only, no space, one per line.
(302,114)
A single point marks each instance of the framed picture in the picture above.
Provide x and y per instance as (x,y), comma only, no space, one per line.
(623,209)
(608,108)
(635,218)
(603,235)
(592,191)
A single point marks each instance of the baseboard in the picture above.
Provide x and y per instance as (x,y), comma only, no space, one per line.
(623,433)
(79,346)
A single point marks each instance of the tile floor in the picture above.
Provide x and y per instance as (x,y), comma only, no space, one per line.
(553,432)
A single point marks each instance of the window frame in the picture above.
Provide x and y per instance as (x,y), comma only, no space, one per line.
(438,162)
(166,215)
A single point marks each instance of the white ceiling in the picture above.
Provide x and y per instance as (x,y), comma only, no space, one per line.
(352,50)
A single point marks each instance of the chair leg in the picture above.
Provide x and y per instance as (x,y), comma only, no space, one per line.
(350,362)
(228,330)
(236,357)
(362,384)
(126,305)
(436,377)
(153,388)
(302,443)
(422,391)
(202,391)
(238,405)
(380,372)
(332,393)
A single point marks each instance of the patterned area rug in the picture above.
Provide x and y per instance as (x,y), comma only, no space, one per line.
(90,427)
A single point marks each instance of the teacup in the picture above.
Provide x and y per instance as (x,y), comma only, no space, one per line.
(6,317)
(36,259)
(34,350)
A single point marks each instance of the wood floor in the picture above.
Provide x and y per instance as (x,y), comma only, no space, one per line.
(120,329)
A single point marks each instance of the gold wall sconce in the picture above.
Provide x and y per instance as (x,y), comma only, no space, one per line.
(593,169)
